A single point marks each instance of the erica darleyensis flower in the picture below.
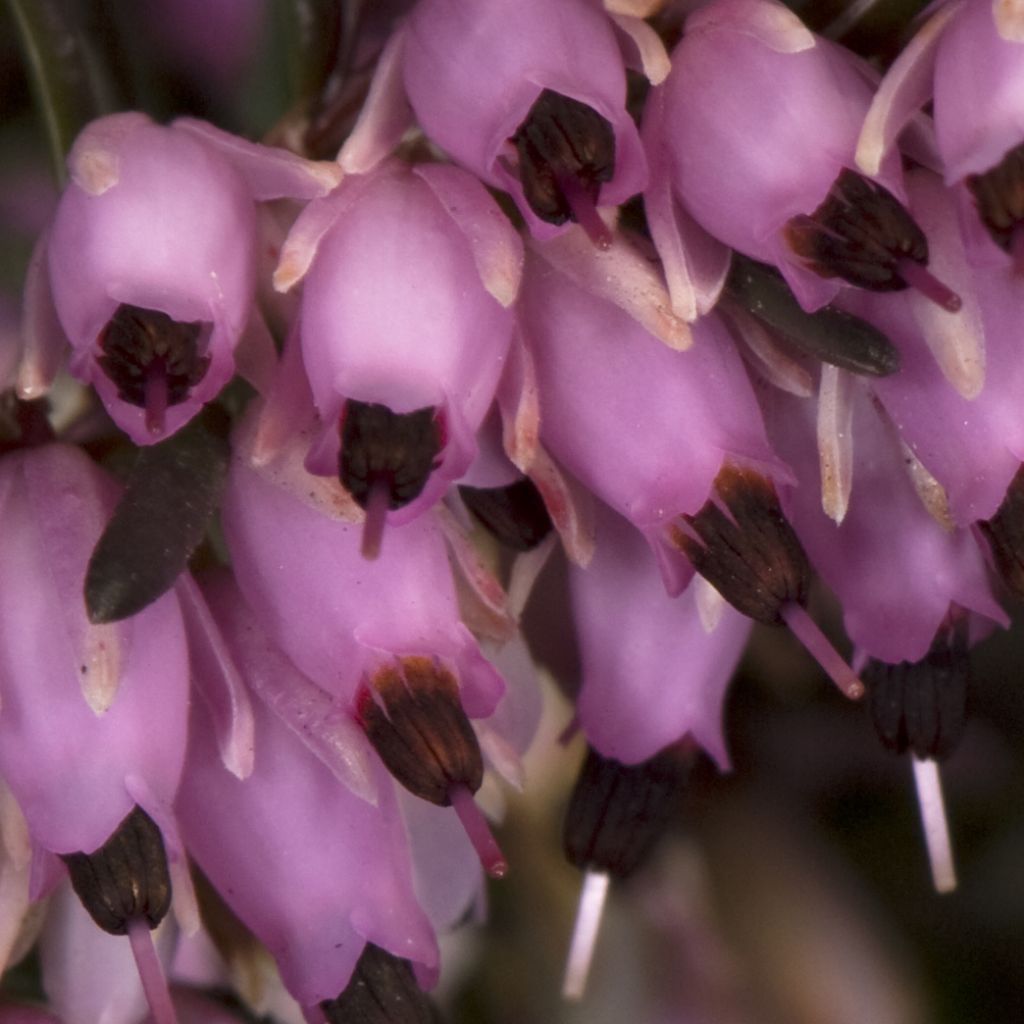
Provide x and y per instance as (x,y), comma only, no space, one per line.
(78,750)
(760,119)
(152,263)
(404,331)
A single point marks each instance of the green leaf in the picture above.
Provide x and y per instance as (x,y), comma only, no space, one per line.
(829,334)
(172,493)
(62,41)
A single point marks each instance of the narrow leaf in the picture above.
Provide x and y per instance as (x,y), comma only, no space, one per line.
(172,493)
(829,334)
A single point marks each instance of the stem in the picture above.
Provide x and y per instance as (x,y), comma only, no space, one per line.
(479,832)
(923,280)
(806,630)
(936,828)
(151,972)
(589,913)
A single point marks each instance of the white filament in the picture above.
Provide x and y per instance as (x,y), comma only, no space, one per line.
(584,935)
(936,828)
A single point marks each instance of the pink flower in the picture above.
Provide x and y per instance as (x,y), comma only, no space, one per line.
(761,120)
(403,327)
(152,261)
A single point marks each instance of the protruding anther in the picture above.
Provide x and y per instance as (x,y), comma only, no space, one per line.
(584,212)
(589,913)
(478,831)
(806,630)
(921,279)
(936,827)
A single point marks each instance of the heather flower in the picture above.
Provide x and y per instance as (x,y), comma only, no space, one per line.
(761,119)
(654,670)
(967,58)
(152,261)
(313,869)
(403,329)
(387,642)
(529,96)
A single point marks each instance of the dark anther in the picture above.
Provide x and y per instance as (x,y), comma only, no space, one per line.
(126,878)
(999,196)
(1005,533)
(748,553)
(382,990)
(412,714)
(562,140)
(516,514)
(829,334)
(23,424)
(861,233)
(396,450)
(139,342)
(618,812)
(922,706)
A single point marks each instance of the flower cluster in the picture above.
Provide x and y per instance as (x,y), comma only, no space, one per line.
(729,324)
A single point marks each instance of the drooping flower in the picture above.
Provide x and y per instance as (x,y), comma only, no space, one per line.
(403,328)
(312,868)
(760,119)
(152,261)
(529,96)
(968,58)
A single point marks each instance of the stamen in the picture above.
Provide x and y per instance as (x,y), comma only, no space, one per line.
(151,973)
(479,832)
(515,514)
(386,459)
(566,152)
(382,990)
(589,913)
(921,279)
(806,630)
(153,360)
(936,827)
(863,234)
(998,195)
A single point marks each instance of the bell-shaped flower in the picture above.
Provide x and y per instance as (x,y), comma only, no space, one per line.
(968,58)
(896,571)
(152,262)
(654,670)
(386,642)
(404,330)
(761,120)
(78,746)
(530,96)
(647,429)
(312,868)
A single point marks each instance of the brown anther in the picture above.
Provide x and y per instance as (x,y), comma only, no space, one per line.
(412,714)
(398,451)
(861,233)
(382,990)
(126,878)
(1005,534)
(562,140)
(999,197)
(748,553)
(922,706)
(516,514)
(618,812)
(139,342)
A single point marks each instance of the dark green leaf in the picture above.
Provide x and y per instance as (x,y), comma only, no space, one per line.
(172,493)
(63,42)
(829,334)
